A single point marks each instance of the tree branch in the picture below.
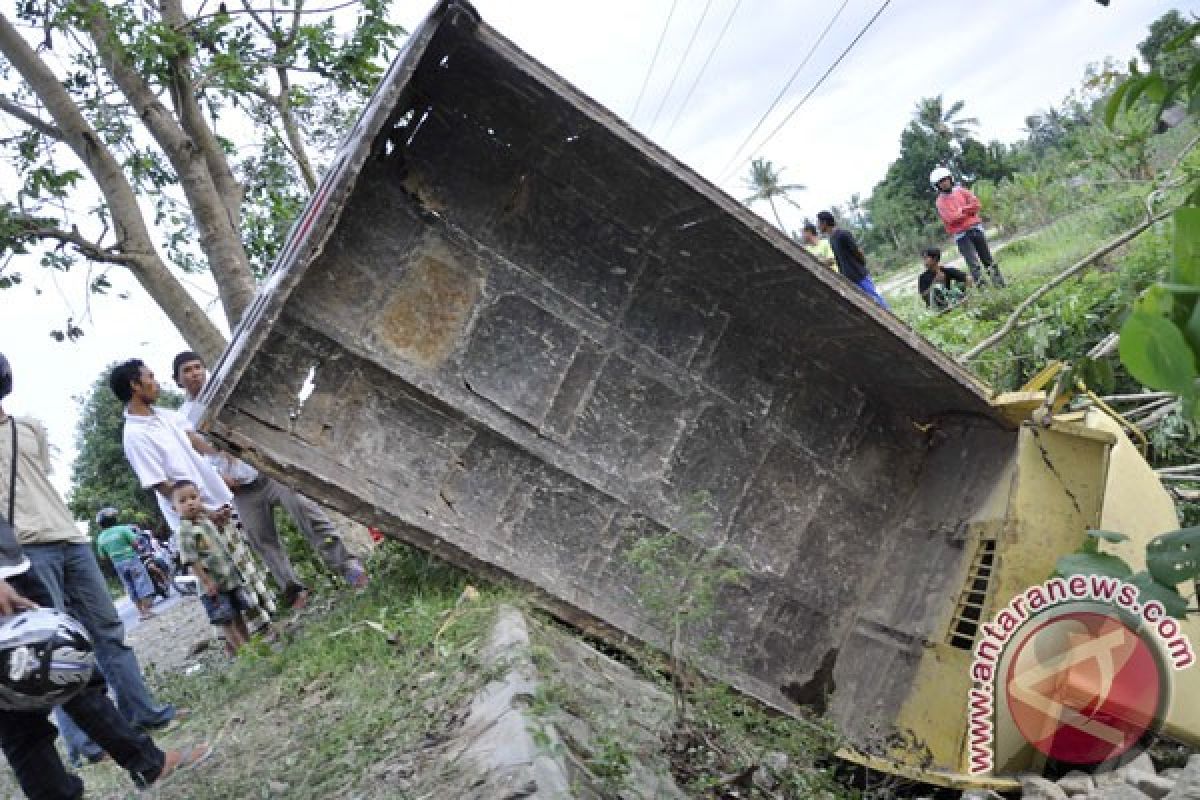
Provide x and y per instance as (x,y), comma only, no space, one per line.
(184,96)
(1010,324)
(36,228)
(219,239)
(246,9)
(122,203)
(295,141)
(30,119)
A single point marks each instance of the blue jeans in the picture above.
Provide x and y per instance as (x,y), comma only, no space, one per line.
(868,286)
(133,575)
(73,579)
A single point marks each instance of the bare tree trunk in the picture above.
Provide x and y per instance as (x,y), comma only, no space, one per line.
(295,142)
(775,211)
(135,248)
(219,238)
(192,118)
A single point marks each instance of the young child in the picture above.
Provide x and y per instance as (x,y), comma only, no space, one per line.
(229,599)
(937,283)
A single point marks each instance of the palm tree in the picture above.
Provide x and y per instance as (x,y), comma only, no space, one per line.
(945,123)
(764,181)
(1047,129)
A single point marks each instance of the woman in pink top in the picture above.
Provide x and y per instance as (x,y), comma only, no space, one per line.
(959,210)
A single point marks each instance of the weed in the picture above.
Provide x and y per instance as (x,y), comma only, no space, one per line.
(678,587)
(339,698)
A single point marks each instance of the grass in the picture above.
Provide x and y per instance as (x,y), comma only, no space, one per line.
(1070,319)
(373,676)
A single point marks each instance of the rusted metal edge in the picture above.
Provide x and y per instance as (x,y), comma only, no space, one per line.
(312,228)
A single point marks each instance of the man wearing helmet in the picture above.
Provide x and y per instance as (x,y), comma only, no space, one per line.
(31,643)
(959,209)
(119,544)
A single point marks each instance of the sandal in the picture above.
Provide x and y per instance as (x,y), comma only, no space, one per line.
(185,757)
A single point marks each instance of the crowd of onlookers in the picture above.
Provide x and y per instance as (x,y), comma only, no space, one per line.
(941,287)
(221,513)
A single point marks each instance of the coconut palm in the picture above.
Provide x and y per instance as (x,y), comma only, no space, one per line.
(945,123)
(764,181)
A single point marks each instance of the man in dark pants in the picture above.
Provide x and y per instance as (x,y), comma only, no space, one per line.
(27,737)
(849,257)
(959,209)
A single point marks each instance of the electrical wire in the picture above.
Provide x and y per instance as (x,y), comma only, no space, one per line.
(816,85)
(679,67)
(712,51)
(779,96)
(654,60)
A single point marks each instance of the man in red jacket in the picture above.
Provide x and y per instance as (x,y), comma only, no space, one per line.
(959,210)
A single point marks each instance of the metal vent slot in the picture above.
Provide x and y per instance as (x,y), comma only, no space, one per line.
(973,599)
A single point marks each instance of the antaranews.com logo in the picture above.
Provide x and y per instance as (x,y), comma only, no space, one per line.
(1081,668)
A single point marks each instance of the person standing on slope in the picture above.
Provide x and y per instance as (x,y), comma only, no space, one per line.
(849,256)
(959,210)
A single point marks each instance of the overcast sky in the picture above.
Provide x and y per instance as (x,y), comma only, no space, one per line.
(1005,58)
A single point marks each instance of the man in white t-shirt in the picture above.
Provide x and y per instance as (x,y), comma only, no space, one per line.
(161,448)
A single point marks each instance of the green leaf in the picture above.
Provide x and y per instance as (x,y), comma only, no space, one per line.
(1114,103)
(1092,564)
(1150,589)
(1175,556)
(1097,374)
(1155,353)
(1185,38)
(1185,264)
(1156,301)
(1108,536)
(1154,88)
(1138,85)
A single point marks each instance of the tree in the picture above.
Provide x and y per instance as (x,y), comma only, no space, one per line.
(934,118)
(763,180)
(1172,63)
(125,115)
(101,476)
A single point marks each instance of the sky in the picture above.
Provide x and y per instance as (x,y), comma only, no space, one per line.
(1004,58)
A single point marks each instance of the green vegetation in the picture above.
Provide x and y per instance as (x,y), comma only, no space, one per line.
(345,707)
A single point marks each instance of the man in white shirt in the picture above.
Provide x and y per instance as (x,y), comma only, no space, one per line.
(255,496)
(161,448)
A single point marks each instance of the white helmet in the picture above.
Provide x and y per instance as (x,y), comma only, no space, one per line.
(938,174)
(46,658)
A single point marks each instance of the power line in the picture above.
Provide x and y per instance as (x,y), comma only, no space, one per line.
(820,81)
(795,74)
(657,49)
(707,61)
(679,67)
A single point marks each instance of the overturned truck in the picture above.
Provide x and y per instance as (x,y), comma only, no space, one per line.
(511,331)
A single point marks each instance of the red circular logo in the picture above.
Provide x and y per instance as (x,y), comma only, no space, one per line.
(1083,688)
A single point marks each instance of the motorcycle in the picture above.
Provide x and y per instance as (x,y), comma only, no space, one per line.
(164,567)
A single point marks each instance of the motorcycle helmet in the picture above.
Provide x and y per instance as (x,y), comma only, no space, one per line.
(46,658)
(107,517)
(938,174)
